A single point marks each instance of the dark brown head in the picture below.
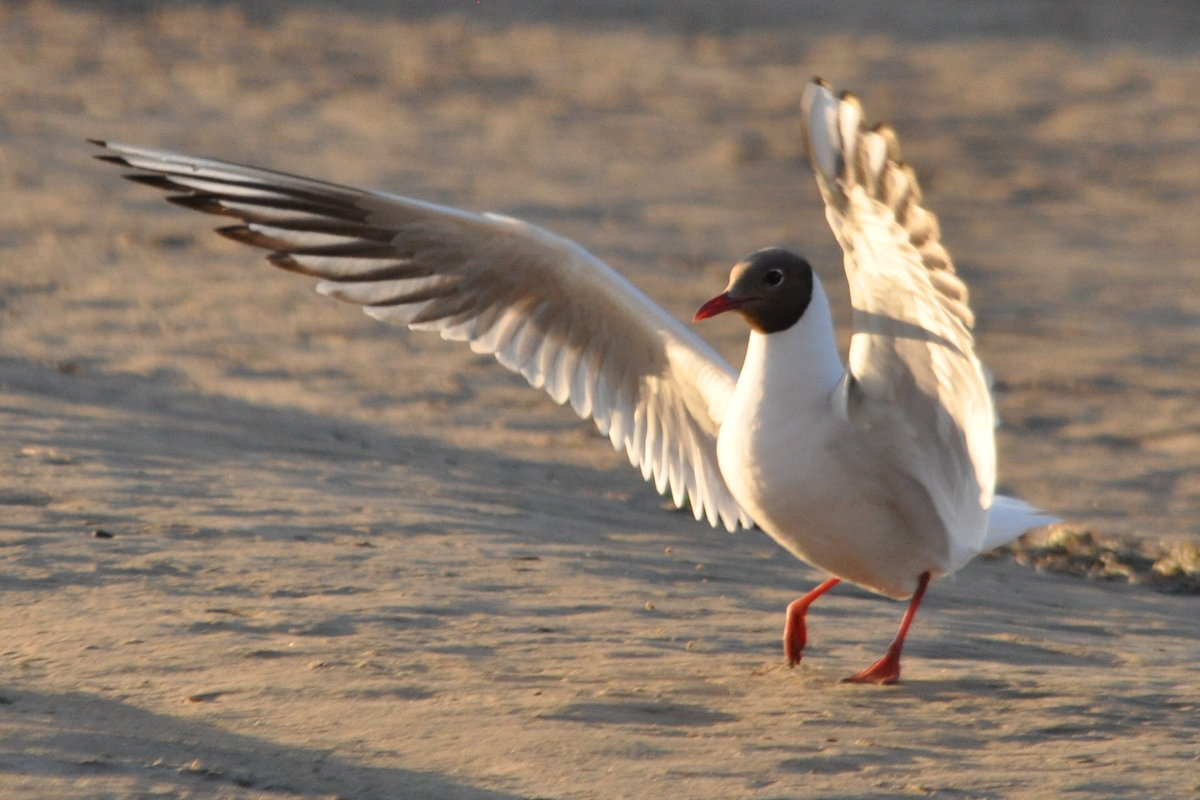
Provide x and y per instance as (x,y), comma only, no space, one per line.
(771,289)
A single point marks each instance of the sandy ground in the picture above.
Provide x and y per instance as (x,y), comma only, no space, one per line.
(253,544)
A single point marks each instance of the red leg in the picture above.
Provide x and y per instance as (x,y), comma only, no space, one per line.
(887,669)
(795,635)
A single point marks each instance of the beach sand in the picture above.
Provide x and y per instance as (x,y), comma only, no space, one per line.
(256,545)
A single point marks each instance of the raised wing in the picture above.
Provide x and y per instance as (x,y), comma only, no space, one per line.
(544,306)
(911,347)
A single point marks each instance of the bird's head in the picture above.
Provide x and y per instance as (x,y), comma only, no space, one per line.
(770,288)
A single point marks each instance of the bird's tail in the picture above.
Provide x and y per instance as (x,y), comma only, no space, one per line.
(1009,517)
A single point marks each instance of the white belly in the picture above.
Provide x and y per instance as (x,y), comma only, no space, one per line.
(814,486)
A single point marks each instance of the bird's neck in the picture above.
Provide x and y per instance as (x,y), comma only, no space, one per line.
(798,363)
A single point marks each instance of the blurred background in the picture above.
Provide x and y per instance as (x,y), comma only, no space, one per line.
(252,542)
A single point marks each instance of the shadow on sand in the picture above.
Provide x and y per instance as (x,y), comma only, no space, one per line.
(87,736)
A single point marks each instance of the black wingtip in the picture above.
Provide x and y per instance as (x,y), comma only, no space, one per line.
(157,181)
(247,235)
(206,203)
(239,233)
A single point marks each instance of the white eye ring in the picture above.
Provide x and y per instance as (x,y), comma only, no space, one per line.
(774,277)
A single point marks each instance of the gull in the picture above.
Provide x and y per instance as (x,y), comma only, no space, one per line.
(880,471)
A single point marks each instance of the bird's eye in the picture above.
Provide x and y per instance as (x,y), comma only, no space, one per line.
(773,277)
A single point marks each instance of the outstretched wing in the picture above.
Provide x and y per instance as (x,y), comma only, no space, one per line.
(544,306)
(911,347)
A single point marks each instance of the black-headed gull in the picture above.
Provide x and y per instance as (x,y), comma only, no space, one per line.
(879,471)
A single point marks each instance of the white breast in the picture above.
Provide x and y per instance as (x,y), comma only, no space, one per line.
(792,460)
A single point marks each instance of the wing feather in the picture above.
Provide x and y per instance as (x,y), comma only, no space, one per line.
(911,348)
(543,306)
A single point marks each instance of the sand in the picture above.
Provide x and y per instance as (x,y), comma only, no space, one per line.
(253,544)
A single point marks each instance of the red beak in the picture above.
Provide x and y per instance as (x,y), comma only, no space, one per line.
(718,305)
